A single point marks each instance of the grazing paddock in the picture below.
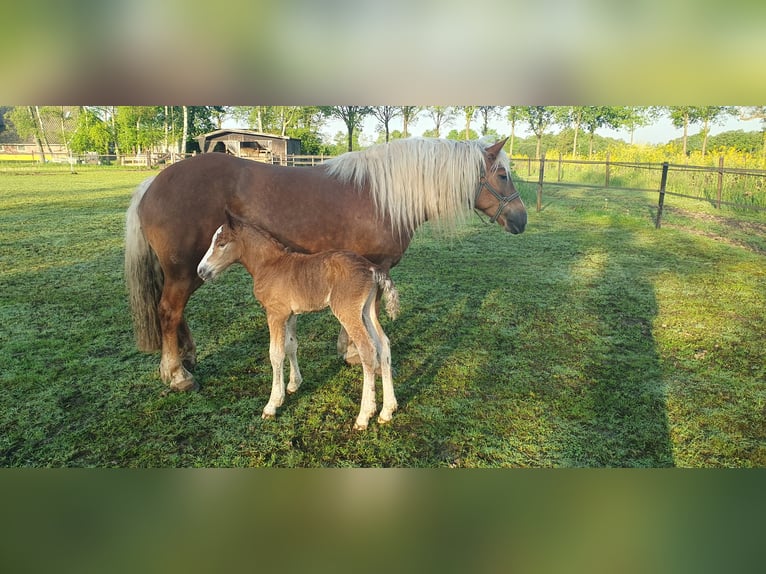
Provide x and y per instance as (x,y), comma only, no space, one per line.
(590,340)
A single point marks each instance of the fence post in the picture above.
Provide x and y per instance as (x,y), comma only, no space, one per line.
(661,204)
(559,176)
(606,180)
(540,184)
(720,181)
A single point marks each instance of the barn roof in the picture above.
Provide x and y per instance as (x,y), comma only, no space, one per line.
(221,132)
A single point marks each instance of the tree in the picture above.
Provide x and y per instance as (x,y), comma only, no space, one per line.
(25,121)
(639,116)
(756,113)
(352,116)
(409,115)
(595,117)
(468,113)
(487,113)
(710,115)
(185,128)
(683,116)
(384,114)
(441,116)
(461,135)
(571,116)
(514,115)
(92,132)
(539,119)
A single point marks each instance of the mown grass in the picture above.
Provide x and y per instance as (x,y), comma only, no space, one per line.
(590,340)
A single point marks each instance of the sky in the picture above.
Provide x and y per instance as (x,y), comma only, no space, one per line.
(660,132)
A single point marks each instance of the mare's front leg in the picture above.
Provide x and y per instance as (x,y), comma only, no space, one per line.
(277,326)
(291,348)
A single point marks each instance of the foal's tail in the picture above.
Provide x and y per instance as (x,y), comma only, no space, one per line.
(390,294)
(143,277)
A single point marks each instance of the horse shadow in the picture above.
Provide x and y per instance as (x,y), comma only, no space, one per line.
(589,392)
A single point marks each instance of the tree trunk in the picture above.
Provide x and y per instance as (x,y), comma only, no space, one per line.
(185,131)
(43,133)
(114,133)
(574,145)
(259,119)
(705,133)
(38,141)
(63,132)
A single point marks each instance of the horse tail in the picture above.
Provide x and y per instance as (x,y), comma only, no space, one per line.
(143,277)
(390,294)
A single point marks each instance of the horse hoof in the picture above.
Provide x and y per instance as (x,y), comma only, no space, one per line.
(383,421)
(358,427)
(185,385)
(268,417)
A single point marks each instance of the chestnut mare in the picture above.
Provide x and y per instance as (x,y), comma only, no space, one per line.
(369,202)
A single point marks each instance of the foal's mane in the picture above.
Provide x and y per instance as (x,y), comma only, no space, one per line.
(417,179)
(256,229)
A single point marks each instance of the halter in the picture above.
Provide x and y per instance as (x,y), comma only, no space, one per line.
(503,199)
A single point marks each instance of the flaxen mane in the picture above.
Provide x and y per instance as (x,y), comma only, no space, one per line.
(418,179)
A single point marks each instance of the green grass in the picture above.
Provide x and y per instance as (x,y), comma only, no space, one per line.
(590,340)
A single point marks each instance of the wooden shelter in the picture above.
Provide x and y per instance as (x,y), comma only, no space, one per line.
(249,144)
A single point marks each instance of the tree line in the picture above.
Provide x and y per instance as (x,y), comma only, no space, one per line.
(135,129)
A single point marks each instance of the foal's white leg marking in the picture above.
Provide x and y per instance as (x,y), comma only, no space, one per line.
(366,347)
(277,356)
(291,348)
(383,348)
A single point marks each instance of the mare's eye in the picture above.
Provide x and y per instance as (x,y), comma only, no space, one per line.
(503,176)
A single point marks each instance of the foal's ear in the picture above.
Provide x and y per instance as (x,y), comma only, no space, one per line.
(495,148)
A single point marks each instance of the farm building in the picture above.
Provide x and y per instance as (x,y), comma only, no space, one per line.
(246,143)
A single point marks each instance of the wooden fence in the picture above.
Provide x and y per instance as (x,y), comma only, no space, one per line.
(734,187)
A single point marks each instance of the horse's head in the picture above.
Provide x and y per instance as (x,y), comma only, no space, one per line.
(225,249)
(495,194)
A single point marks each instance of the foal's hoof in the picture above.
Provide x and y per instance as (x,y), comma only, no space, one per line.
(358,427)
(268,417)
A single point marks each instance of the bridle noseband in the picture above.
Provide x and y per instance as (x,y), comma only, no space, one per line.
(503,199)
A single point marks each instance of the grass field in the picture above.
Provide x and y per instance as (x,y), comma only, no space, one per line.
(590,340)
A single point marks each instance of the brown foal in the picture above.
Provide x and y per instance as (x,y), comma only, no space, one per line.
(288,283)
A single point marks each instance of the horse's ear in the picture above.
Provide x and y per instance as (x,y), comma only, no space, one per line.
(495,148)
(232,220)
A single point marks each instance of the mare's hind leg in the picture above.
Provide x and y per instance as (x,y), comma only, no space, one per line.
(175,295)
(346,348)
(186,345)
(291,349)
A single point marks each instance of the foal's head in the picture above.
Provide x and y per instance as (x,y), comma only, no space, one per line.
(225,249)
